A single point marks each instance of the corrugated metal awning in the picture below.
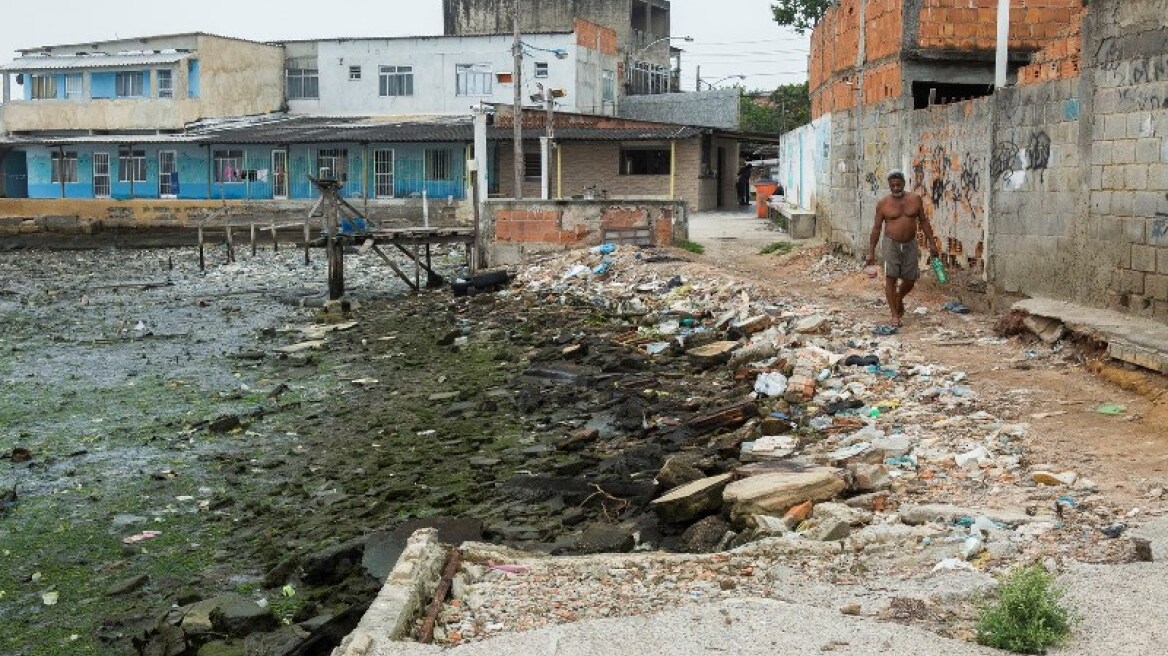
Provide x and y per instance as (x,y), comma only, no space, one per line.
(74,62)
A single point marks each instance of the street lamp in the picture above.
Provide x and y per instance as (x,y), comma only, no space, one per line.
(713,85)
(664,38)
(634,57)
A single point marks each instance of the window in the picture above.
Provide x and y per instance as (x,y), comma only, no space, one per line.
(64,166)
(165,83)
(354,73)
(129,85)
(532,166)
(608,86)
(302,78)
(73,86)
(43,86)
(541,69)
(474,79)
(167,174)
(132,166)
(396,80)
(438,165)
(192,78)
(101,175)
(336,160)
(644,160)
(383,173)
(228,165)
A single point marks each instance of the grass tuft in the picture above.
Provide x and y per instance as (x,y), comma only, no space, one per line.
(780,247)
(1028,615)
(693,247)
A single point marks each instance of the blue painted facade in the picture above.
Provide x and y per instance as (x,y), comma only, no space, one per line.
(255,177)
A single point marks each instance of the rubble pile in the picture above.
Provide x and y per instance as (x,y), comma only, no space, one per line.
(706,415)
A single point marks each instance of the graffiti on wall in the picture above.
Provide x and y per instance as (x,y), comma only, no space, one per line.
(1141,100)
(1010,162)
(950,184)
(873,181)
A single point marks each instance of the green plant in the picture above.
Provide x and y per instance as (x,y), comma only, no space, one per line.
(780,247)
(693,247)
(1028,615)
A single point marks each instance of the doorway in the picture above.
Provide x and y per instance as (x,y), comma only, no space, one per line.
(16,175)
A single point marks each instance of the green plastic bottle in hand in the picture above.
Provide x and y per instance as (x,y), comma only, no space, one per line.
(939,271)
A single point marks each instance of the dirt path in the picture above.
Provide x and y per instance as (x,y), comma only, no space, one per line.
(1056,390)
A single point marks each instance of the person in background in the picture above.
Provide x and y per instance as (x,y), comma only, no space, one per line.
(743,185)
(898,215)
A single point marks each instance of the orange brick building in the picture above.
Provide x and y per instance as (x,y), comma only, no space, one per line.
(928,52)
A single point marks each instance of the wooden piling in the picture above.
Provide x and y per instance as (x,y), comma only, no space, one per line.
(253,240)
(230,246)
(306,244)
(202,259)
(275,242)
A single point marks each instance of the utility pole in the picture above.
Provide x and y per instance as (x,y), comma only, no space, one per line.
(517,80)
(698,81)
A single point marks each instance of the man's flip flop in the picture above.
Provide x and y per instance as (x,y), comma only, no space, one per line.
(885,329)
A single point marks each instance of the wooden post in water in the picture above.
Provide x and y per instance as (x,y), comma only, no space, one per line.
(275,243)
(202,260)
(230,245)
(306,239)
(253,239)
(336,254)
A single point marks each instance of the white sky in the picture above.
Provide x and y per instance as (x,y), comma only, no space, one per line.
(731,37)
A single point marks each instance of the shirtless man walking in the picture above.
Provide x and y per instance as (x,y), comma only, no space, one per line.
(898,215)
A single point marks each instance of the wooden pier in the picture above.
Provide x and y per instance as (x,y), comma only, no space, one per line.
(337,226)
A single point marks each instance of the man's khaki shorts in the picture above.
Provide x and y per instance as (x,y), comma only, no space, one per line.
(901,259)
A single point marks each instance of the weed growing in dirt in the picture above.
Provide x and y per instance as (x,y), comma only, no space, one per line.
(1028,615)
(780,247)
(693,247)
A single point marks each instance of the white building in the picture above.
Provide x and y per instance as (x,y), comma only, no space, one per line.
(443,74)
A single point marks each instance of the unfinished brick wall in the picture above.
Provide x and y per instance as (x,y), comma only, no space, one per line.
(973,24)
(514,229)
(939,25)
(1058,61)
(596,37)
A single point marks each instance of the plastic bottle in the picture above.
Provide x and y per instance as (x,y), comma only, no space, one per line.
(939,271)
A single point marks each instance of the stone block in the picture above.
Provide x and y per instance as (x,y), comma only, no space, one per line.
(1158,231)
(1131,282)
(1139,124)
(1148,150)
(1146,203)
(1158,175)
(1100,202)
(1123,152)
(1112,177)
(1135,229)
(1156,287)
(1162,260)
(1143,258)
(1114,127)
(1136,177)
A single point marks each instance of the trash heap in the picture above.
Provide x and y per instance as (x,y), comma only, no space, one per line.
(782,430)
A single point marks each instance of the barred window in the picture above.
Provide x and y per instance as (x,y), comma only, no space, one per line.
(438,165)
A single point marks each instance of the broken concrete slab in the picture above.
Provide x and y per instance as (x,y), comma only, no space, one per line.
(915,515)
(692,500)
(1048,330)
(712,353)
(1142,342)
(773,494)
(813,325)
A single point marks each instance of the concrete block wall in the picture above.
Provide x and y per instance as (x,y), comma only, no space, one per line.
(1126,68)
(1040,240)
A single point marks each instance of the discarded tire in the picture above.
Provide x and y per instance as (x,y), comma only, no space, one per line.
(488,281)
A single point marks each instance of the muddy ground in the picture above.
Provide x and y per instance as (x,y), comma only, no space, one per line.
(163,452)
